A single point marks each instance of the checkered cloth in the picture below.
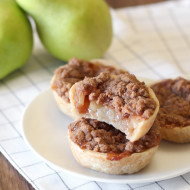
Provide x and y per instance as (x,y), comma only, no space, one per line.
(150,41)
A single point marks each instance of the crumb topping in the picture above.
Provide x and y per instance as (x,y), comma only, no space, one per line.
(76,70)
(98,136)
(174,98)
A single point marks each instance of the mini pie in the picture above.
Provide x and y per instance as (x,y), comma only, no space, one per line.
(76,70)
(103,148)
(119,100)
(173,118)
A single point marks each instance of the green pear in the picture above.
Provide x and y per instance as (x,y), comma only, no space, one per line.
(71,28)
(15,37)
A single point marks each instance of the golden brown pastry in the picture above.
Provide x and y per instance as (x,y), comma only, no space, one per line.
(173,118)
(103,148)
(119,100)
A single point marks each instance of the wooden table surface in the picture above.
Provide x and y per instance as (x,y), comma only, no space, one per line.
(10,179)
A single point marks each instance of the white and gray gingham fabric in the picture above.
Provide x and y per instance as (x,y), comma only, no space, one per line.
(150,41)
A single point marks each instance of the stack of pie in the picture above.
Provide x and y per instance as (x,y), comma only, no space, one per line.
(114,130)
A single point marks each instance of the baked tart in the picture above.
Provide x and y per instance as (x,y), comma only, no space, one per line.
(173,118)
(101,147)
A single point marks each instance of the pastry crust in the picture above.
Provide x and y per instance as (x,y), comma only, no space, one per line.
(98,161)
(176,134)
(134,127)
(65,106)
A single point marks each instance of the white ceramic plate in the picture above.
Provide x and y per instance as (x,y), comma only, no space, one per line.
(45,130)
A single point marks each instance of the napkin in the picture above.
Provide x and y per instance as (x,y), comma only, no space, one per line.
(150,41)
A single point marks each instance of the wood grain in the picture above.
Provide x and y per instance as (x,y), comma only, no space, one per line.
(10,179)
(127,3)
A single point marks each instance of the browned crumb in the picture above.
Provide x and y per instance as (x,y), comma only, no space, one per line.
(174,98)
(98,136)
(76,70)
